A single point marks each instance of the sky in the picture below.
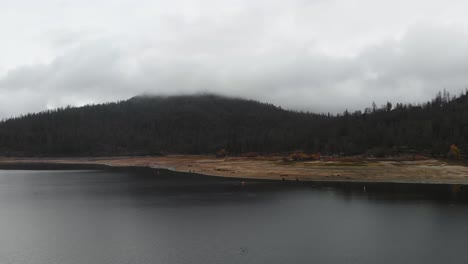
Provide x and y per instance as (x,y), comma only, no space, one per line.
(311,55)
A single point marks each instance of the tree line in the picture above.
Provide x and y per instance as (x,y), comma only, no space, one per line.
(205,124)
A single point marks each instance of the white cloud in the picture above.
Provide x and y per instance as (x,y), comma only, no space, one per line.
(311,55)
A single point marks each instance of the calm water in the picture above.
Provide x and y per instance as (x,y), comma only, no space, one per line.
(135,217)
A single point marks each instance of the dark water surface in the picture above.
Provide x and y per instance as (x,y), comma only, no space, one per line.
(139,217)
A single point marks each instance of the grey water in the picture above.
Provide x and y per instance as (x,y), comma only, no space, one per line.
(140,217)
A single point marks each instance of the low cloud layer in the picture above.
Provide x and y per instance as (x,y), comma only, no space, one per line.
(270,51)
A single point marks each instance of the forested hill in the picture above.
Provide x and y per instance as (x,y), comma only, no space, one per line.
(207,123)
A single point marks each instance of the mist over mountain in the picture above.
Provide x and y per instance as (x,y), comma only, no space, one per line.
(204,124)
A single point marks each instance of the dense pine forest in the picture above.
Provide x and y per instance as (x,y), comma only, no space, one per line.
(205,124)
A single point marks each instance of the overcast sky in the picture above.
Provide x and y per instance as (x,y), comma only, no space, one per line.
(315,55)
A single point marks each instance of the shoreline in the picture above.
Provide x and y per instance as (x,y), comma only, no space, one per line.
(266,168)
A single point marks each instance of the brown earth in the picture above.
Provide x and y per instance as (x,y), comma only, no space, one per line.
(275,168)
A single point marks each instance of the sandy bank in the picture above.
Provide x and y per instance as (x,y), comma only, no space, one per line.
(274,168)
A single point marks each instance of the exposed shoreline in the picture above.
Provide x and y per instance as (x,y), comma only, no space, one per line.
(268,168)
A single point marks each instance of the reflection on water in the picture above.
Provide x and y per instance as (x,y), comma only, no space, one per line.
(141,217)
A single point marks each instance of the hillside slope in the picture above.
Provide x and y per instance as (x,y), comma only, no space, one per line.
(207,123)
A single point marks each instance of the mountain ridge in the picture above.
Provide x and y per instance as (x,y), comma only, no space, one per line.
(206,123)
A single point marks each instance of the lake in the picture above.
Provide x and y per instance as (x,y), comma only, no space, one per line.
(166,217)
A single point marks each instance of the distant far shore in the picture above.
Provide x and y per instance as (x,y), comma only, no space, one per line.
(428,171)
